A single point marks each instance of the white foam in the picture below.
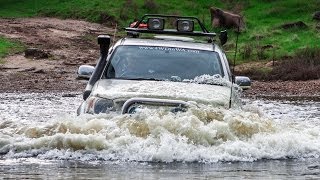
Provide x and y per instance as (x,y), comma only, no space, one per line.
(205,134)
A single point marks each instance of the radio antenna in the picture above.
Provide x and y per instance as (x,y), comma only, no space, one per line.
(114,34)
(235,53)
(234,64)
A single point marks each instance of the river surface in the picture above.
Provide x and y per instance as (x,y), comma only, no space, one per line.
(42,138)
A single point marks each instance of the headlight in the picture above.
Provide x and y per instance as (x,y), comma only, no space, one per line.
(99,105)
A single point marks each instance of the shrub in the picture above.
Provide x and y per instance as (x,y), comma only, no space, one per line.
(257,73)
(305,65)
(247,51)
(151,6)
(309,56)
(129,9)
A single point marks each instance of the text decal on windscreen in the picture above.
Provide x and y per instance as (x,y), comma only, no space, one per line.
(169,49)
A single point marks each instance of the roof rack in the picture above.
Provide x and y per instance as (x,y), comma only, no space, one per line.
(135,30)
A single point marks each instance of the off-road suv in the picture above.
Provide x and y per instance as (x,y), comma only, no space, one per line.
(169,69)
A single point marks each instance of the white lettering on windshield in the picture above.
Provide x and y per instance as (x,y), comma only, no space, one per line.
(169,49)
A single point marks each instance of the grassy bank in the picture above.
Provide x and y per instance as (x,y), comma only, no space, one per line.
(7,47)
(263,19)
(263,39)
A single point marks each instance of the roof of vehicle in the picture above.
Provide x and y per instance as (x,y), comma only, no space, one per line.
(169,43)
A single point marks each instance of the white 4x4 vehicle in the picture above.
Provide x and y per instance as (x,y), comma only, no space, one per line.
(169,71)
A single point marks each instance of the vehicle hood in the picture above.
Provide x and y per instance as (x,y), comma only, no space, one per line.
(124,89)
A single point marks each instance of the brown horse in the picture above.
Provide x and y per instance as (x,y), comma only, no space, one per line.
(220,18)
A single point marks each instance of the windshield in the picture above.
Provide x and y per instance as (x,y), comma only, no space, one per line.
(162,63)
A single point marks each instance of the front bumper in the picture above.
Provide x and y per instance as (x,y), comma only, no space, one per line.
(96,105)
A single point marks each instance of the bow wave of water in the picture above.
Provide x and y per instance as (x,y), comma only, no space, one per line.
(46,127)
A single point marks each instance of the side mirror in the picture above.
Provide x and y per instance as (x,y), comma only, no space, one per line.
(85,72)
(223,37)
(243,81)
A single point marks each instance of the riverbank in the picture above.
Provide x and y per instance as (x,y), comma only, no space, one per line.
(59,48)
(68,44)
(294,90)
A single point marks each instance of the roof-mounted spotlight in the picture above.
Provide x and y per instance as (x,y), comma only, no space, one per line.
(184,25)
(155,23)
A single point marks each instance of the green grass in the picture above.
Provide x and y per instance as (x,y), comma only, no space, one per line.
(8,47)
(262,17)
(264,20)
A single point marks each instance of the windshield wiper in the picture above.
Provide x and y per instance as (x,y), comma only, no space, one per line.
(141,78)
(211,83)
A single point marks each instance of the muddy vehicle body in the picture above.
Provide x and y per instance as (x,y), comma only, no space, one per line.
(161,71)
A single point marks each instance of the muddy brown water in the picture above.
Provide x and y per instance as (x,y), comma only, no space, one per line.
(42,138)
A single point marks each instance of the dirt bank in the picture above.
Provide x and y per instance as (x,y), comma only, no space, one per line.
(285,89)
(71,43)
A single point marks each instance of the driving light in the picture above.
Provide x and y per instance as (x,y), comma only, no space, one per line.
(155,23)
(185,25)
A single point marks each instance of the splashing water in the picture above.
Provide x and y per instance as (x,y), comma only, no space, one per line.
(208,79)
(202,134)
